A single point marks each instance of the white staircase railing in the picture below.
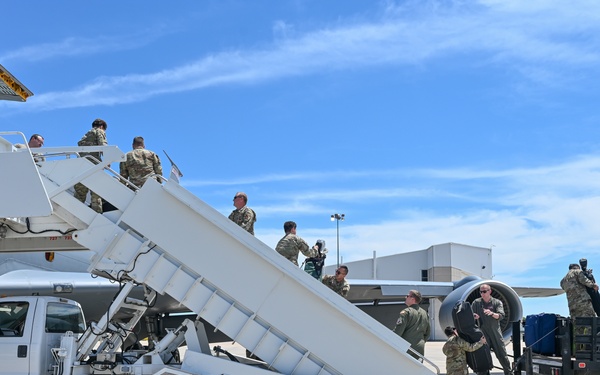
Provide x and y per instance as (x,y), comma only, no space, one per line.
(168,239)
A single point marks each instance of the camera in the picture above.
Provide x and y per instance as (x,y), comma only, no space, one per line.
(321,246)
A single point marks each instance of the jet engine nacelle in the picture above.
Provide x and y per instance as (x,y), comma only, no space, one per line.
(467,289)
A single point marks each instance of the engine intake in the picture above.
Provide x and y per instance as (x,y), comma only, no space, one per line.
(467,289)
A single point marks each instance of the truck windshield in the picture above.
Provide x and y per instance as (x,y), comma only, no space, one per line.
(12,318)
(61,318)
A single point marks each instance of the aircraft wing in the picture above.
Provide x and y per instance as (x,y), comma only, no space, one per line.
(530,292)
(396,290)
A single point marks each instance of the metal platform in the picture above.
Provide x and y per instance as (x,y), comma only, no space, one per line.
(168,239)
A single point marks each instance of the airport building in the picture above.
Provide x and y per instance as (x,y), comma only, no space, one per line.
(447,262)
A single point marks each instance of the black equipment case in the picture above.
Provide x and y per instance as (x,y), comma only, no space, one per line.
(462,316)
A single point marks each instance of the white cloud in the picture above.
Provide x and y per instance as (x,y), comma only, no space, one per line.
(502,33)
(81,46)
(531,216)
(282,30)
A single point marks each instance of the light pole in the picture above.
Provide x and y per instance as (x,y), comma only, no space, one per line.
(337,218)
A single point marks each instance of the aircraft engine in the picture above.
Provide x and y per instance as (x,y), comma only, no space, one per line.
(467,289)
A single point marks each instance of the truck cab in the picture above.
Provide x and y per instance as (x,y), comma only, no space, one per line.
(30,327)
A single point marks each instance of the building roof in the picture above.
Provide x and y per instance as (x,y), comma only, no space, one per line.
(11,88)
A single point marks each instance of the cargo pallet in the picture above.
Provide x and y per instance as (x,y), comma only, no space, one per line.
(578,350)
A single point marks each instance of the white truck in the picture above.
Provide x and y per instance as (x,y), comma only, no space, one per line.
(30,327)
(48,335)
(167,240)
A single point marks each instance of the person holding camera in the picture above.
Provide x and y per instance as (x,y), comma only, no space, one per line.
(314,266)
(574,284)
(291,244)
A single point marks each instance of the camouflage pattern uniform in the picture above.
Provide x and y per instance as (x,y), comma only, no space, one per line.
(341,288)
(94,137)
(456,359)
(139,165)
(580,303)
(413,326)
(491,328)
(290,245)
(245,217)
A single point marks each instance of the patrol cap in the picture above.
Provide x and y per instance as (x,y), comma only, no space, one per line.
(99,122)
(573,265)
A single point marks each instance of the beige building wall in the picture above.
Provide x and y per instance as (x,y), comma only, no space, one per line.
(443,262)
(447,262)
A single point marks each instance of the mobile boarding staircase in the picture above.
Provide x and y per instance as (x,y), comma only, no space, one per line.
(166,238)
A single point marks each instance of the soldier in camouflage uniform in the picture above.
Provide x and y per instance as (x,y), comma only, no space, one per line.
(290,245)
(140,164)
(338,283)
(94,137)
(243,215)
(455,350)
(413,323)
(574,284)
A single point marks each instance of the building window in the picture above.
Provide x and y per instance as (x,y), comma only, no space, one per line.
(424,275)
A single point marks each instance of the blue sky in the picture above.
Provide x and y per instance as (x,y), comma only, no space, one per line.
(423,122)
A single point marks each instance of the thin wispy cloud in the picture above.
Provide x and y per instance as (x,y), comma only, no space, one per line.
(521,210)
(567,174)
(500,34)
(249,180)
(536,215)
(81,46)
(345,194)
(69,47)
(306,176)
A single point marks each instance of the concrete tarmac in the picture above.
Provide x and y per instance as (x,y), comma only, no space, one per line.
(433,352)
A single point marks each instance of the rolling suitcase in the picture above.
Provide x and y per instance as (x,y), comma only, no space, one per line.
(462,316)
